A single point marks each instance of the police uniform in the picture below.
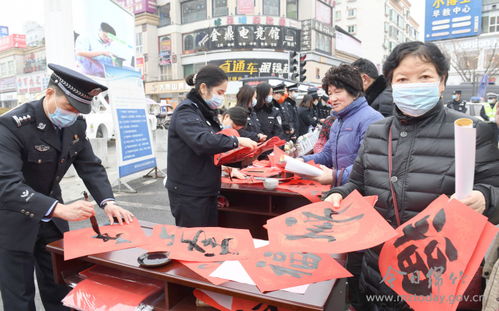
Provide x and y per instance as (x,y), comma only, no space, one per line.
(34,156)
(291,110)
(458,105)
(252,128)
(193,180)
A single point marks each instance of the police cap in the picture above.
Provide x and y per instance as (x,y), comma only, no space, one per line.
(78,88)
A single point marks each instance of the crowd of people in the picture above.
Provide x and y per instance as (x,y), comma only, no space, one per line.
(387,135)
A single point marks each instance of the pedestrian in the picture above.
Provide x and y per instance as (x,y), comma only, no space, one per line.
(266,112)
(246,98)
(39,141)
(306,115)
(291,110)
(457,102)
(353,116)
(488,110)
(279,96)
(193,180)
(417,142)
(235,118)
(377,94)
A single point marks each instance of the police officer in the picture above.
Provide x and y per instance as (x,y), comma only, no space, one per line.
(267,114)
(457,102)
(488,110)
(193,180)
(291,110)
(279,95)
(38,142)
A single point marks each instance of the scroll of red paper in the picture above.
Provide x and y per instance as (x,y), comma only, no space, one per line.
(273,269)
(277,158)
(161,239)
(83,242)
(433,256)
(89,295)
(320,228)
(310,189)
(270,143)
(209,299)
(212,244)
(240,304)
(226,180)
(204,269)
(261,171)
(123,280)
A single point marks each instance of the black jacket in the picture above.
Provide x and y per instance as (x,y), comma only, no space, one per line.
(269,121)
(379,96)
(192,142)
(252,128)
(423,162)
(33,159)
(305,119)
(283,116)
(457,105)
(291,112)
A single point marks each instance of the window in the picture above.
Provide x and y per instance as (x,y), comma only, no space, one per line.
(164,15)
(193,11)
(337,15)
(351,12)
(165,73)
(351,29)
(323,43)
(11,67)
(292,9)
(245,7)
(271,7)
(493,24)
(138,43)
(220,8)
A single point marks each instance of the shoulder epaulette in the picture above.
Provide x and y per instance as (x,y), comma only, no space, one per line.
(22,120)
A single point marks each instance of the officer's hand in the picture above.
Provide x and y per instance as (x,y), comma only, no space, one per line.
(334,198)
(113,210)
(76,211)
(262,137)
(246,142)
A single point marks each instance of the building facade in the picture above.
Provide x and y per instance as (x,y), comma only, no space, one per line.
(474,57)
(246,38)
(379,24)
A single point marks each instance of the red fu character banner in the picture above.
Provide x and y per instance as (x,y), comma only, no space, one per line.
(321,228)
(432,262)
(273,269)
(212,244)
(239,304)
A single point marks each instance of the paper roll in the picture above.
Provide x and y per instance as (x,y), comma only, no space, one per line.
(301,168)
(465,149)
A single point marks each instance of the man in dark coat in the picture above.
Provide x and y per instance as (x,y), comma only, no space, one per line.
(378,95)
(38,143)
(291,110)
(457,102)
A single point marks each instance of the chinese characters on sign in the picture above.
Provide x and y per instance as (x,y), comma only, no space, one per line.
(446,19)
(242,37)
(237,69)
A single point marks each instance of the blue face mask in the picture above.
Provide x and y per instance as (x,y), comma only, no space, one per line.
(253,102)
(215,102)
(62,118)
(415,99)
(268,99)
(226,126)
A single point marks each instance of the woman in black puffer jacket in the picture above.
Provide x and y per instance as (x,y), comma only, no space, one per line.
(422,138)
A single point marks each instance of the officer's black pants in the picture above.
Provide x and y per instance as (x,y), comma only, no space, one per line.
(354,265)
(16,275)
(192,211)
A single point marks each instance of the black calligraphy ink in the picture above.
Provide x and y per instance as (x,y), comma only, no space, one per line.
(165,236)
(208,242)
(106,237)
